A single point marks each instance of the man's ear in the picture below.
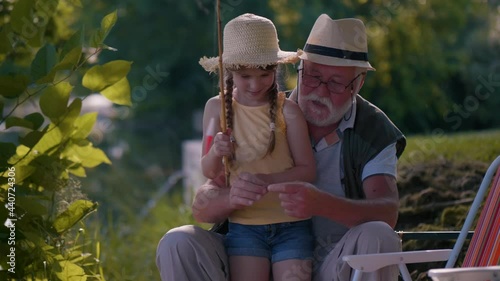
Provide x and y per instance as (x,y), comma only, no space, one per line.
(362,81)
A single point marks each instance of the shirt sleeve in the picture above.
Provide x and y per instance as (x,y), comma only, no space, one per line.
(384,163)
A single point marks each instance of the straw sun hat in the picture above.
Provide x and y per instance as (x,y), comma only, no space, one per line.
(337,42)
(250,41)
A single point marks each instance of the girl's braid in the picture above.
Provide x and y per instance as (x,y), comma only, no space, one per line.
(273,98)
(228,102)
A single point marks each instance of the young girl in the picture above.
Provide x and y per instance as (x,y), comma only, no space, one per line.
(268,138)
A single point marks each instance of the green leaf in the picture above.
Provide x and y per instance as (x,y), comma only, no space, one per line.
(24,155)
(66,122)
(77,211)
(85,154)
(69,62)
(23,172)
(50,171)
(32,121)
(5,43)
(13,85)
(119,92)
(31,138)
(13,121)
(84,125)
(75,41)
(45,59)
(100,35)
(22,150)
(78,171)
(31,204)
(71,59)
(52,138)
(54,100)
(108,22)
(22,22)
(36,119)
(71,272)
(45,10)
(79,257)
(37,39)
(76,3)
(7,149)
(21,18)
(94,156)
(101,76)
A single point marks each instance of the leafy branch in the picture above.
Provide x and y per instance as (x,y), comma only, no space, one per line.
(44,86)
(39,169)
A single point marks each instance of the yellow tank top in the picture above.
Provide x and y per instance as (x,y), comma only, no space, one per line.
(251,130)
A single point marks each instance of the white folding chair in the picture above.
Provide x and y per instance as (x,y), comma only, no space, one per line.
(489,218)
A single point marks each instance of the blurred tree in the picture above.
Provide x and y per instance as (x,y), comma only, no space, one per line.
(417,52)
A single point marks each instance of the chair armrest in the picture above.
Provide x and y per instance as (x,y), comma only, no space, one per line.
(468,273)
(372,262)
(431,235)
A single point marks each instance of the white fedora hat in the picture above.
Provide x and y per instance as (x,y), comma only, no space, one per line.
(337,42)
(251,41)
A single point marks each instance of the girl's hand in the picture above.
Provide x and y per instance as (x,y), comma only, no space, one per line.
(246,190)
(222,145)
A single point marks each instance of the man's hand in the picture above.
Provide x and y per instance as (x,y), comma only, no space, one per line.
(299,199)
(246,190)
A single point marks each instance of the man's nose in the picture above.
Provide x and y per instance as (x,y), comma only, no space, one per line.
(322,90)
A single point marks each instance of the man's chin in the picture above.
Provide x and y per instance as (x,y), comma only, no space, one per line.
(321,121)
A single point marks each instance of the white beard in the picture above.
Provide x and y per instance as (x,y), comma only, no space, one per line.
(335,113)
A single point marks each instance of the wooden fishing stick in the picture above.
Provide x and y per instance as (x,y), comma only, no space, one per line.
(221,86)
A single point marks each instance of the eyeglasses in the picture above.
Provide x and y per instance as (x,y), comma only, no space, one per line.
(332,86)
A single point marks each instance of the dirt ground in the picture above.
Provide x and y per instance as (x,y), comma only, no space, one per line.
(435,196)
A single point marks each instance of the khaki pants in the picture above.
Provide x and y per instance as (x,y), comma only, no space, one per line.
(190,253)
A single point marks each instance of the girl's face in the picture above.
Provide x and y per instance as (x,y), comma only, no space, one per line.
(252,85)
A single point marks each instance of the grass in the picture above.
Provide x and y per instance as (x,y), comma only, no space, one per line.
(128,243)
(437,169)
(483,146)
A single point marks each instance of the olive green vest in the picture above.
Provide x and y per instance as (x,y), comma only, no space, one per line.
(372,132)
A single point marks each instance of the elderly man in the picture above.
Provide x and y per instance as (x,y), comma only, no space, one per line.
(354,200)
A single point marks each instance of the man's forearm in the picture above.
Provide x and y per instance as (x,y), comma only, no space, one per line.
(211,203)
(381,203)
(354,212)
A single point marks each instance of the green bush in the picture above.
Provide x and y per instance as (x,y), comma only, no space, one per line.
(44,77)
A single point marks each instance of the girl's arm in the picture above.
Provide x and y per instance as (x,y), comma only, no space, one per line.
(211,162)
(304,168)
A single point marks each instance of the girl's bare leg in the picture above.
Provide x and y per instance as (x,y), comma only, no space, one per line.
(292,270)
(246,268)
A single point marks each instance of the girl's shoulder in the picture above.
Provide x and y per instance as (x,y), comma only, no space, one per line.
(214,101)
(289,106)
(212,106)
(214,98)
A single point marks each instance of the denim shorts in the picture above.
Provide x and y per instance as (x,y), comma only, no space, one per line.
(277,242)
